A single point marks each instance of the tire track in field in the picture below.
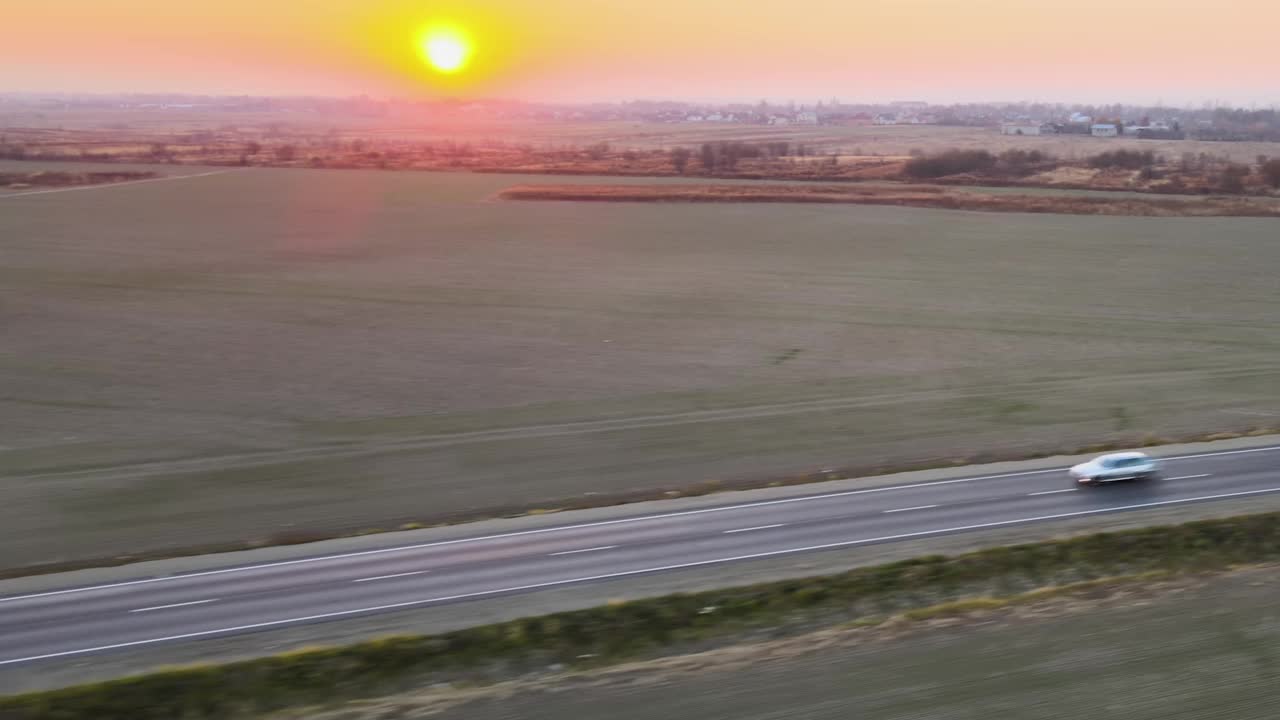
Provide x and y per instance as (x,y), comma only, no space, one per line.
(340,450)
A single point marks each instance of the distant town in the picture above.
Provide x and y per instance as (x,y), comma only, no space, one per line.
(1027,119)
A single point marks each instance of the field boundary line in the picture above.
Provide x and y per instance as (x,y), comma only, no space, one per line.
(109,185)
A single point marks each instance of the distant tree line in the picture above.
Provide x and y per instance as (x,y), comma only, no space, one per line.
(724,156)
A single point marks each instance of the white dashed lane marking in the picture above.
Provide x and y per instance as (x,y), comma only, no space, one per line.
(388,577)
(917,507)
(585,550)
(175,605)
(758,527)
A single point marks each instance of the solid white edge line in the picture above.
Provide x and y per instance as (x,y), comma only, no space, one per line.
(581,526)
(1052,492)
(583,550)
(388,577)
(917,507)
(1269,448)
(626,573)
(175,605)
(1189,477)
(758,527)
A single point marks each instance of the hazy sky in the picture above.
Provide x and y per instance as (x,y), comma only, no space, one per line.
(1178,51)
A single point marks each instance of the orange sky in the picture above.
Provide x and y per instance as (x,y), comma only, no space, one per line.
(941,50)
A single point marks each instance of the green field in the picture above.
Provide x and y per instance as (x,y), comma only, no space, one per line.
(265,353)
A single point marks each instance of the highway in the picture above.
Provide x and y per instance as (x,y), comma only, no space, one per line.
(77,621)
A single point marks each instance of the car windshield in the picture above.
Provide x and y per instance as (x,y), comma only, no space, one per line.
(1125,462)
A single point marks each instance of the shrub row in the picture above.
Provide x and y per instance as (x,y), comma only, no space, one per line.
(616,631)
(61,179)
(950,162)
(1127,159)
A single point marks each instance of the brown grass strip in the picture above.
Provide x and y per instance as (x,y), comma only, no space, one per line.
(906,195)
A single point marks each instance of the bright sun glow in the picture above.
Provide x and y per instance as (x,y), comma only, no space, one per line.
(446,50)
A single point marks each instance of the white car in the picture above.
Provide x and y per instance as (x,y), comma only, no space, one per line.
(1115,467)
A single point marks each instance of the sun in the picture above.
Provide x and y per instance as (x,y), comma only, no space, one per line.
(446,50)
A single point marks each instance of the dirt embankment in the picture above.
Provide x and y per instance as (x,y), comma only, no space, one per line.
(906,195)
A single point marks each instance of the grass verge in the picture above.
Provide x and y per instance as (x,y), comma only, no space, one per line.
(913,590)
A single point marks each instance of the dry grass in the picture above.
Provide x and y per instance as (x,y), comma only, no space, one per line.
(906,195)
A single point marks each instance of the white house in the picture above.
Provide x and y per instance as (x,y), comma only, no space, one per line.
(807,117)
(886,120)
(1105,130)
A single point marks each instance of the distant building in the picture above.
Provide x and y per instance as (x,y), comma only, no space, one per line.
(885,120)
(1157,130)
(1105,130)
(807,117)
(848,119)
(1021,128)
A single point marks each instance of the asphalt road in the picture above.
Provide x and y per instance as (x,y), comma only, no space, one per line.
(96,619)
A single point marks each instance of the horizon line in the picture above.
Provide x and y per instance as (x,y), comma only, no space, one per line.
(1205,104)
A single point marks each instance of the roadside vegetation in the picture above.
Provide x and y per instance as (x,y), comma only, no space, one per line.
(45,178)
(913,590)
(1191,646)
